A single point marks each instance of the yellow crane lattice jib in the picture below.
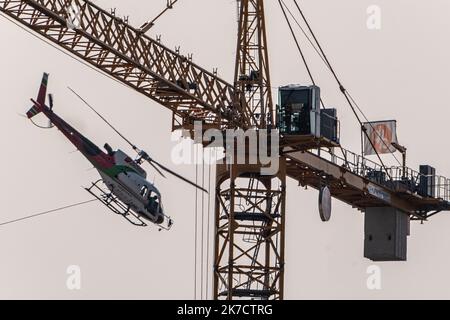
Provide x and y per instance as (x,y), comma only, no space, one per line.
(108,43)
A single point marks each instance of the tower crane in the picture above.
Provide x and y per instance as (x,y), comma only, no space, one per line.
(250,208)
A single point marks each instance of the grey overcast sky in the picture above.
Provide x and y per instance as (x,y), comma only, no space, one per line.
(401,71)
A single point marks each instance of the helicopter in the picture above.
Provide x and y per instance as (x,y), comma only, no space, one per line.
(123,186)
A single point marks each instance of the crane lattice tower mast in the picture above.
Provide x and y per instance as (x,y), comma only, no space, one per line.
(250,207)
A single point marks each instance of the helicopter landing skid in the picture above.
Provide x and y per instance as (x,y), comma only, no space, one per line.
(114,204)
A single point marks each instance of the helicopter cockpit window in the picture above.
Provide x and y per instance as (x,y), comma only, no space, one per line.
(144,191)
(153,198)
(153,203)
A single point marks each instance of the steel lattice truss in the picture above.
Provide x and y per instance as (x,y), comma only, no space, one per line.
(249,259)
(252,73)
(110,44)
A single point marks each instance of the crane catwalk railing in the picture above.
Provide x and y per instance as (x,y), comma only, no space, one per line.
(110,44)
(401,178)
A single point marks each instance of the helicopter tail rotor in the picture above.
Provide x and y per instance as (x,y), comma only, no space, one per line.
(156,164)
(50,102)
(39,104)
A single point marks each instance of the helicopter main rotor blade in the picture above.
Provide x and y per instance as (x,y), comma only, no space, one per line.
(105,120)
(150,160)
(144,155)
(156,168)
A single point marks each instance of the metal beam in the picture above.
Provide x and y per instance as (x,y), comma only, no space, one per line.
(108,43)
(249,253)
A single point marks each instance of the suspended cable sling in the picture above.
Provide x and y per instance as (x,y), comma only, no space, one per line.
(341,87)
(208,225)
(48,212)
(346,93)
(283,7)
(299,49)
(196,221)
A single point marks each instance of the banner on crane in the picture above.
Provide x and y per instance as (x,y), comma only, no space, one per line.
(382,134)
